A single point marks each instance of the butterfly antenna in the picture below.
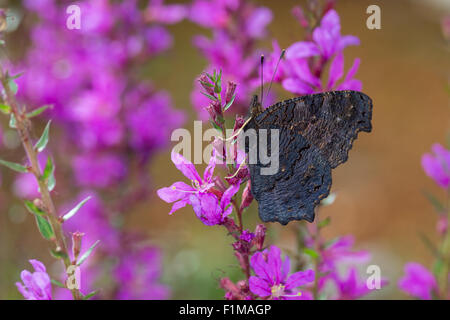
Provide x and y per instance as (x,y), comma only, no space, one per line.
(275,71)
(262,79)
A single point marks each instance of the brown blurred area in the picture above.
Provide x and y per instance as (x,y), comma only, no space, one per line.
(405,68)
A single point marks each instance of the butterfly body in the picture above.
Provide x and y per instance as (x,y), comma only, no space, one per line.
(315,135)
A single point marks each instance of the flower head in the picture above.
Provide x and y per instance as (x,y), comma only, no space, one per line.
(418,281)
(36,285)
(272,278)
(180,192)
(437,165)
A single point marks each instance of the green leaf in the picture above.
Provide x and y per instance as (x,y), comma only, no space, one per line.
(43,140)
(5,108)
(13,86)
(208,96)
(57,283)
(311,252)
(12,122)
(229,103)
(90,295)
(33,209)
(72,212)
(38,111)
(44,227)
(49,169)
(216,126)
(87,253)
(58,254)
(16,76)
(324,222)
(430,245)
(435,202)
(14,166)
(51,183)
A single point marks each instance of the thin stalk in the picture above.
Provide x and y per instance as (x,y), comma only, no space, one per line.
(32,155)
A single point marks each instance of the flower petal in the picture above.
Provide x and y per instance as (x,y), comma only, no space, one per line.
(302,49)
(336,70)
(185,166)
(177,191)
(299,278)
(259,286)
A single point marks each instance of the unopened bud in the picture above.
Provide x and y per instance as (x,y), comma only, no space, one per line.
(247,196)
(231,88)
(76,243)
(206,84)
(260,235)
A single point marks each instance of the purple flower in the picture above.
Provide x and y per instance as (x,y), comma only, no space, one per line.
(151,121)
(437,165)
(98,170)
(138,275)
(209,209)
(301,75)
(351,286)
(339,251)
(180,192)
(418,281)
(36,285)
(167,14)
(272,278)
(327,40)
(257,22)
(247,236)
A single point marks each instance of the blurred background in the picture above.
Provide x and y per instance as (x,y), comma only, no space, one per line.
(404,69)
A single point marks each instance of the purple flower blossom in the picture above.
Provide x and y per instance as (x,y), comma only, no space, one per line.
(437,165)
(98,170)
(231,49)
(209,209)
(180,192)
(418,281)
(350,286)
(138,274)
(272,278)
(36,285)
(301,75)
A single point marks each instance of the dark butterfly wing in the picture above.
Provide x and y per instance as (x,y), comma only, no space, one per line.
(316,133)
(303,178)
(330,120)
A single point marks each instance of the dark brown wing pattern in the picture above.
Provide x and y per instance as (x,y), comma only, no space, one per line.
(316,133)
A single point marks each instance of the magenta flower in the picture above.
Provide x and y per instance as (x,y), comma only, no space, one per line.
(327,40)
(272,278)
(300,75)
(180,192)
(437,165)
(341,251)
(351,286)
(209,209)
(36,285)
(418,281)
(138,275)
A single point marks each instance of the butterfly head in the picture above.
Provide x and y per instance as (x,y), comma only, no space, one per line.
(255,107)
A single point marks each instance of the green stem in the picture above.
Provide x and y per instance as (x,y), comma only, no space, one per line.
(25,137)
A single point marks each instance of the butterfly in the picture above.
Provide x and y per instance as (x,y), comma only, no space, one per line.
(315,134)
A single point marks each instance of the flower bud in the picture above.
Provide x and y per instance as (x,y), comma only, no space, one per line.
(207,84)
(76,243)
(260,234)
(238,123)
(231,88)
(247,196)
